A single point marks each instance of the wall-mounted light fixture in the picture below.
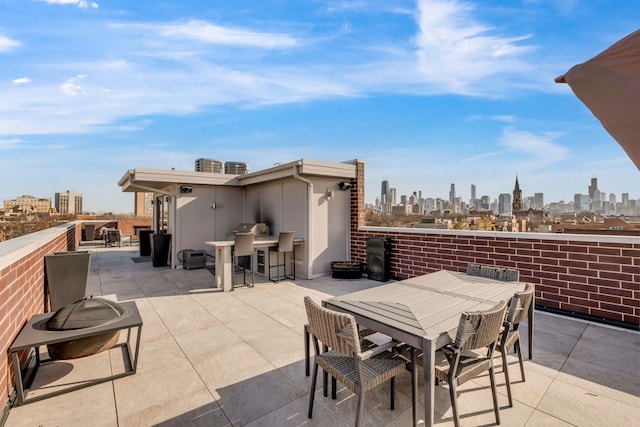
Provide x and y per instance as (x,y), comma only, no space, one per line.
(344,185)
(329,194)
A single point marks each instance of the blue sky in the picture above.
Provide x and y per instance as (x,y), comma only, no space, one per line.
(426,92)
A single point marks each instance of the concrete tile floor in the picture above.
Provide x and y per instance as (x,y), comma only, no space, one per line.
(209,358)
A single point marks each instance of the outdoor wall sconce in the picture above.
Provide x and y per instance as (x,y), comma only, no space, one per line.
(329,194)
(344,185)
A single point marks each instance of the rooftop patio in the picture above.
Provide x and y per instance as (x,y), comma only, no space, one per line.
(236,358)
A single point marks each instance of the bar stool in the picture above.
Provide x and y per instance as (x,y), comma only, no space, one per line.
(243,247)
(285,244)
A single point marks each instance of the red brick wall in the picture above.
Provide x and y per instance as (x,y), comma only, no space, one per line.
(596,276)
(22,295)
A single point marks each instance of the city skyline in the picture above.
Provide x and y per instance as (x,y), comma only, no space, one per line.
(494,197)
(429,92)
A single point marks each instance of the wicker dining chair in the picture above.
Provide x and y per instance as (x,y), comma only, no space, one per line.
(491,272)
(516,313)
(471,353)
(358,370)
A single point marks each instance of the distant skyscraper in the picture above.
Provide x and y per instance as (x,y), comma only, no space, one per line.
(208,165)
(593,188)
(69,202)
(384,192)
(393,194)
(452,194)
(538,200)
(473,191)
(504,203)
(516,204)
(236,168)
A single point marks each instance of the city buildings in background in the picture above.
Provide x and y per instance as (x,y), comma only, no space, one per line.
(208,165)
(27,204)
(509,211)
(68,202)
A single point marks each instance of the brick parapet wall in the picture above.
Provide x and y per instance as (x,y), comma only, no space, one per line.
(596,276)
(22,279)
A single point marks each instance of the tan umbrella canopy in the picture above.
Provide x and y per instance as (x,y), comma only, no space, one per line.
(609,85)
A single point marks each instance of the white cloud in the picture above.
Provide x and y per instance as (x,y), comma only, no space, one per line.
(6,44)
(70,87)
(21,80)
(458,52)
(9,143)
(539,146)
(214,34)
(80,3)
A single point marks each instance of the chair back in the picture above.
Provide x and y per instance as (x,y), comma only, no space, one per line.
(481,328)
(285,241)
(519,306)
(498,273)
(338,331)
(243,245)
(113,236)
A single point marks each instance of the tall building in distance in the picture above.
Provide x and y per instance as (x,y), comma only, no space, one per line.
(504,204)
(143,204)
(208,165)
(236,168)
(538,200)
(516,204)
(473,191)
(452,194)
(385,195)
(68,202)
(593,188)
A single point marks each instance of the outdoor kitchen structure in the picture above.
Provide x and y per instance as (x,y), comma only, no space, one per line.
(309,197)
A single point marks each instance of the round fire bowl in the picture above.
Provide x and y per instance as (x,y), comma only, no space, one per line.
(83,347)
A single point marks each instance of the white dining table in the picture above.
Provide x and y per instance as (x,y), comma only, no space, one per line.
(424,312)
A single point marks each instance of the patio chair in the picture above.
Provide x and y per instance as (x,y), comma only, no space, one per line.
(243,247)
(358,370)
(498,273)
(516,313)
(285,245)
(471,353)
(112,238)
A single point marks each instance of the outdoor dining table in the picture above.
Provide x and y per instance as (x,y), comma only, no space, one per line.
(424,312)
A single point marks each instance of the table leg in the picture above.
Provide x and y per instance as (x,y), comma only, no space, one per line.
(414,385)
(429,362)
(531,324)
(224,269)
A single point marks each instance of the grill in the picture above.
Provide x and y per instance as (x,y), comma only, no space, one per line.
(257,228)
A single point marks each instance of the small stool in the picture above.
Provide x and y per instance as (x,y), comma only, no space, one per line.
(285,245)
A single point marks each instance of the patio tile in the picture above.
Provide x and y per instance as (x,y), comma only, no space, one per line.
(578,406)
(159,394)
(540,419)
(294,414)
(256,396)
(182,314)
(224,306)
(76,408)
(277,343)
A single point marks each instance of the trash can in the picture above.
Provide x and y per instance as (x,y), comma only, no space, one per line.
(67,274)
(145,242)
(89,232)
(379,258)
(160,245)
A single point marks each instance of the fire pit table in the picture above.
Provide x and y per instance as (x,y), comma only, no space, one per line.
(34,334)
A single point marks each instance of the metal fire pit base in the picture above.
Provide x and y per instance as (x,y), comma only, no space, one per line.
(34,334)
